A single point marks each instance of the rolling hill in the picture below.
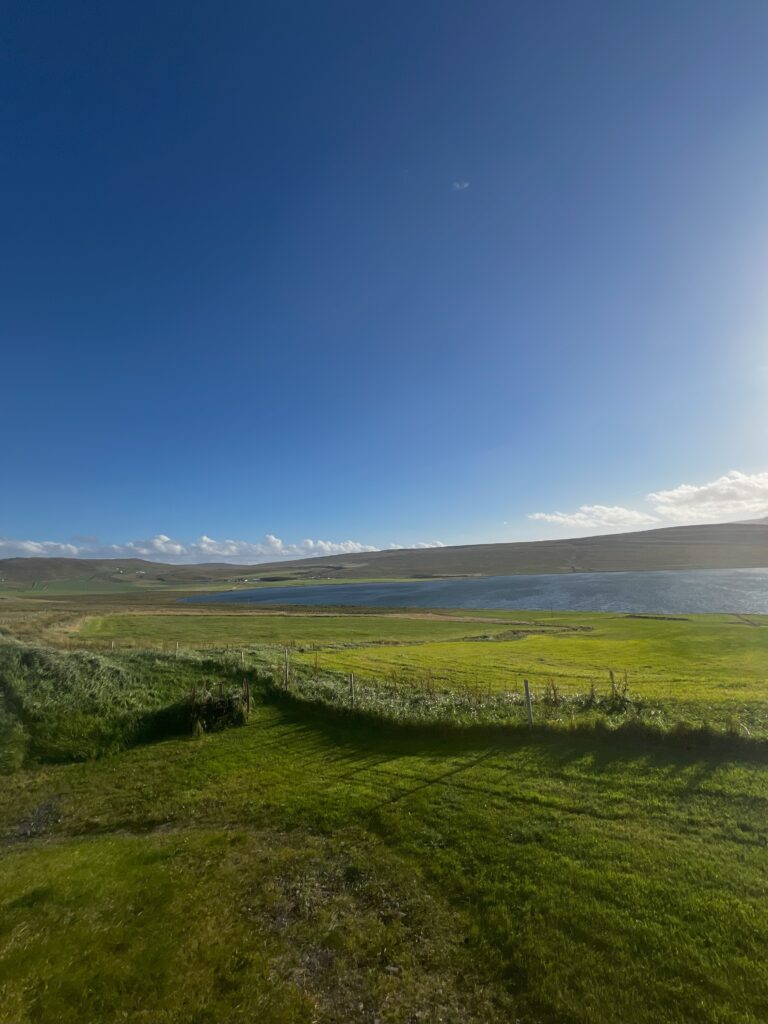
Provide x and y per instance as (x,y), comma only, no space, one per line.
(717,546)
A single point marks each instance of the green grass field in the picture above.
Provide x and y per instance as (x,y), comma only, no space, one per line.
(706,657)
(298,870)
(707,669)
(243,629)
(703,657)
(334,862)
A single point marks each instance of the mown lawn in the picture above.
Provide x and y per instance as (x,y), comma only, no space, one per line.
(301,869)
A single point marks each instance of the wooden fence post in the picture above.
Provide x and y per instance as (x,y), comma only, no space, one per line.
(528,706)
(285,667)
(352,690)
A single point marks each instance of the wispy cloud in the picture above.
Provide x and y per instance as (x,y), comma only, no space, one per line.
(417,544)
(735,495)
(459,185)
(162,548)
(596,516)
(32,548)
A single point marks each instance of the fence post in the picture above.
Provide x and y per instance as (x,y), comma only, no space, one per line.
(352,690)
(285,667)
(528,706)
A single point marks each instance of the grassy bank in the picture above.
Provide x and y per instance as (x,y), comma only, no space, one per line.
(400,850)
(698,670)
(702,657)
(305,869)
(64,706)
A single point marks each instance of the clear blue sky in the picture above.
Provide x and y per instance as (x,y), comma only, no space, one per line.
(383,272)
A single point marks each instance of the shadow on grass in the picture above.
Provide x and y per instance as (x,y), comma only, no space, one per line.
(371,734)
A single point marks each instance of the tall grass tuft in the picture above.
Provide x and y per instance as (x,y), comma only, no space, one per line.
(65,706)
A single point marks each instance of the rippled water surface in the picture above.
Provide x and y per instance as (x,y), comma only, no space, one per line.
(684,591)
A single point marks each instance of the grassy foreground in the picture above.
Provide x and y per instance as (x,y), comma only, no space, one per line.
(298,869)
(407,853)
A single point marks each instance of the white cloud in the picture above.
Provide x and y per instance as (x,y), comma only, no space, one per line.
(28,548)
(153,547)
(597,517)
(327,547)
(162,548)
(459,185)
(731,497)
(416,544)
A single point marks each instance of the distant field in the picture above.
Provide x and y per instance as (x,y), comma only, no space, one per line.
(242,628)
(706,657)
(100,588)
(104,586)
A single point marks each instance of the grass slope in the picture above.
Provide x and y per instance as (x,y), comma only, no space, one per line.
(322,864)
(300,869)
(57,706)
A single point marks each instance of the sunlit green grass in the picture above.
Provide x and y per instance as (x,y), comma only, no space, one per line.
(318,866)
(300,870)
(706,658)
(242,628)
(61,706)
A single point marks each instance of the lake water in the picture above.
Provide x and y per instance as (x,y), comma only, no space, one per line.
(670,593)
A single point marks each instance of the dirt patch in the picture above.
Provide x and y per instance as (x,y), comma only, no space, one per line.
(36,824)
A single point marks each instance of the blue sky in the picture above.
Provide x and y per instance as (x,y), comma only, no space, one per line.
(379,274)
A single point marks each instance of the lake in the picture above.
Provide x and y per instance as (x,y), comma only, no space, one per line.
(669,593)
